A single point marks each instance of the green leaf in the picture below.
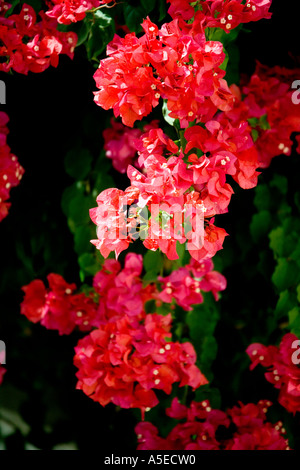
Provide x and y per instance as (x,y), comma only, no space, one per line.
(101,33)
(13,420)
(6,429)
(134,17)
(262,198)
(36,5)
(166,113)
(209,353)
(254,134)
(284,211)
(202,322)
(153,261)
(28,446)
(83,235)
(66,446)
(253,122)
(150,276)
(232,69)
(277,241)
(298,293)
(294,321)
(223,66)
(280,182)
(89,264)
(79,210)
(82,32)
(148,5)
(260,225)
(9,12)
(162,10)
(286,274)
(218,34)
(69,194)
(78,163)
(284,240)
(295,255)
(102,182)
(284,304)
(297,199)
(263,122)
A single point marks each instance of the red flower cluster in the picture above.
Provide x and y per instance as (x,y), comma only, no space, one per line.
(225,14)
(175,213)
(111,219)
(172,190)
(231,151)
(120,144)
(202,429)
(154,142)
(121,291)
(186,289)
(235,142)
(170,195)
(11,171)
(71,11)
(124,360)
(238,136)
(269,108)
(117,292)
(129,353)
(57,308)
(29,45)
(179,66)
(283,369)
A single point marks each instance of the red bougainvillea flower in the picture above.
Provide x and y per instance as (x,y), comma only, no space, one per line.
(225,14)
(187,289)
(11,171)
(33,305)
(253,432)
(227,143)
(154,142)
(232,152)
(120,144)
(118,291)
(124,361)
(126,82)
(283,371)
(33,46)
(173,212)
(173,178)
(166,179)
(201,429)
(121,290)
(111,218)
(71,11)
(213,242)
(177,64)
(181,8)
(57,308)
(270,111)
